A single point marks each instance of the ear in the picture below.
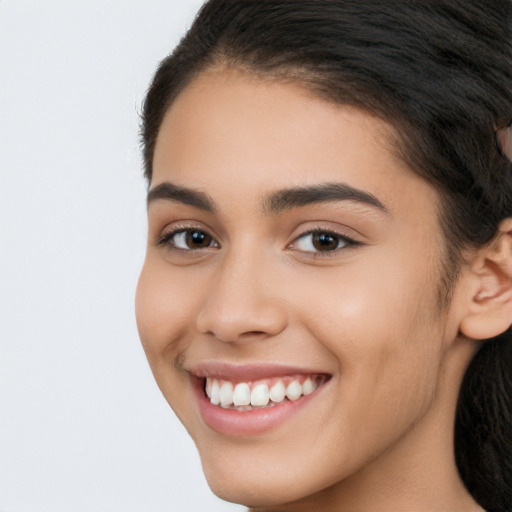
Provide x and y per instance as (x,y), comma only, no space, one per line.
(489,308)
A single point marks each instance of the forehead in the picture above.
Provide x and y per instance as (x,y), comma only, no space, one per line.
(231,131)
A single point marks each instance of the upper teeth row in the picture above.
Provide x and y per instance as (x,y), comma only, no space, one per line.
(226,394)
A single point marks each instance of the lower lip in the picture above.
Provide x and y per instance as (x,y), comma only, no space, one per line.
(248,423)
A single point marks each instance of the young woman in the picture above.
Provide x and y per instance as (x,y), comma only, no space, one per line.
(326,299)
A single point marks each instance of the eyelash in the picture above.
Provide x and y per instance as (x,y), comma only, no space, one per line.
(166,240)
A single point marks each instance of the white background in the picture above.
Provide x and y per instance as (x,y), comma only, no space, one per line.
(83,426)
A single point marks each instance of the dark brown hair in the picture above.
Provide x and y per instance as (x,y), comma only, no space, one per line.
(440,72)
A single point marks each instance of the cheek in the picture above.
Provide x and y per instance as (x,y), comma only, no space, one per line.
(164,307)
(382,324)
(164,311)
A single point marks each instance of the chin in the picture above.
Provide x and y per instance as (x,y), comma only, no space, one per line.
(245,489)
(262,475)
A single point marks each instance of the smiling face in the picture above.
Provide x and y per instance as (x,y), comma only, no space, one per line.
(291,253)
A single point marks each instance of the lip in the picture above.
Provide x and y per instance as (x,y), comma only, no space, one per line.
(256,421)
(247,372)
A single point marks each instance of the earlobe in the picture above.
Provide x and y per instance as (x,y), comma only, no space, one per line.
(489,306)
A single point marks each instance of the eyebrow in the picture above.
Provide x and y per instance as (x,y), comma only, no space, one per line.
(276,202)
(185,195)
(301,196)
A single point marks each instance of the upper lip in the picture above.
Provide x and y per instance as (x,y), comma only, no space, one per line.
(247,372)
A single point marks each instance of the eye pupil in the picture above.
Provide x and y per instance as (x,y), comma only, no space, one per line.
(198,239)
(324,242)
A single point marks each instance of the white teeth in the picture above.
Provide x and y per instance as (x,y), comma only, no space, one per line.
(277,392)
(242,394)
(308,387)
(260,395)
(229,395)
(294,390)
(215,396)
(208,388)
(226,394)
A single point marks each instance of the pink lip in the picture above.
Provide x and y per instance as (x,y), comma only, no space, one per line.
(246,423)
(246,373)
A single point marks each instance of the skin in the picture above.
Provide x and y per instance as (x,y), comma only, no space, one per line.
(378,435)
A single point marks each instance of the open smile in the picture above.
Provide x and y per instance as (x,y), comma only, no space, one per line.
(236,407)
(245,396)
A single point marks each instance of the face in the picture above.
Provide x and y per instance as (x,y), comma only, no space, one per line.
(290,254)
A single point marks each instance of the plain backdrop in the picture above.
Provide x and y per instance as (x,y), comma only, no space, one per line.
(83,427)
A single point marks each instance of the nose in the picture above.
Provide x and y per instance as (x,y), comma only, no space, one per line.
(241,303)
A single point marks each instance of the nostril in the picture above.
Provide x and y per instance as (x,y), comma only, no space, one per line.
(243,336)
(252,334)
(233,318)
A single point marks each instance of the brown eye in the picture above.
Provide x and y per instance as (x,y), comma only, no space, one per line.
(324,241)
(197,239)
(321,241)
(189,239)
